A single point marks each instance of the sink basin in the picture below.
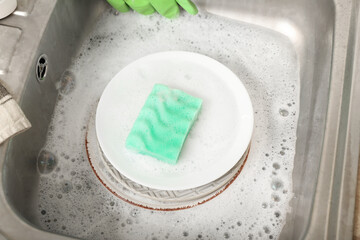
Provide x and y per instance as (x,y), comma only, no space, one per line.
(321,40)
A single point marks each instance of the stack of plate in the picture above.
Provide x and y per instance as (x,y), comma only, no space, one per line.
(213,153)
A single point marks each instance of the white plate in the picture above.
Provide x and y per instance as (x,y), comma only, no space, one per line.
(215,143)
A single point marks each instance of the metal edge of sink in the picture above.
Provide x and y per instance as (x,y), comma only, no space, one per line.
(35,27)
(11,225)
(335,199)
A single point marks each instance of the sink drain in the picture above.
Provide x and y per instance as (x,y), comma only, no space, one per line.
(150,198)
(41,67)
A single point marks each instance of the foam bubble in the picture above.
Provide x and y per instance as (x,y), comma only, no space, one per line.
(276,166)
(275,197)
(276,184)
(46,162)
(67,83)
(134,212)
(66,186)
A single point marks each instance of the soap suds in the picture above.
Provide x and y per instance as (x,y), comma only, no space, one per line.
(73,202)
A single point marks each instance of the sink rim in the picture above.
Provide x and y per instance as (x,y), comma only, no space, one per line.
(332,124)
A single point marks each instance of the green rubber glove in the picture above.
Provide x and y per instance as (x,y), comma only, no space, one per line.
(167,8)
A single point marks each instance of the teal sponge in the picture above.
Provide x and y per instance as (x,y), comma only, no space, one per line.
(164,123)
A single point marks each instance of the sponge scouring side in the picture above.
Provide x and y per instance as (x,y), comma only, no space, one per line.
(163,123)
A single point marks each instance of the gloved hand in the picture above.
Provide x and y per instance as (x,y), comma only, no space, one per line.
(167,8)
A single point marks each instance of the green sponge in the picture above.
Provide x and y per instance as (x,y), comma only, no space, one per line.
(164,123)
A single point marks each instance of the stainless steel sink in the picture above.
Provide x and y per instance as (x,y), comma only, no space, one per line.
(325,37)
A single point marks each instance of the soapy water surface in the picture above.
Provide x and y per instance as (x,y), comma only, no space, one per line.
(73,202)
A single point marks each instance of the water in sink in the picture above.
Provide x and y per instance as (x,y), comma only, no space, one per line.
(73,202)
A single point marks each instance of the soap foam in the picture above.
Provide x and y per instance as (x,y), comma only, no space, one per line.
(73,202)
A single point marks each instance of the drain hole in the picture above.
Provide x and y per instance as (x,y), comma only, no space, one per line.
(42,60)
(41,67)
